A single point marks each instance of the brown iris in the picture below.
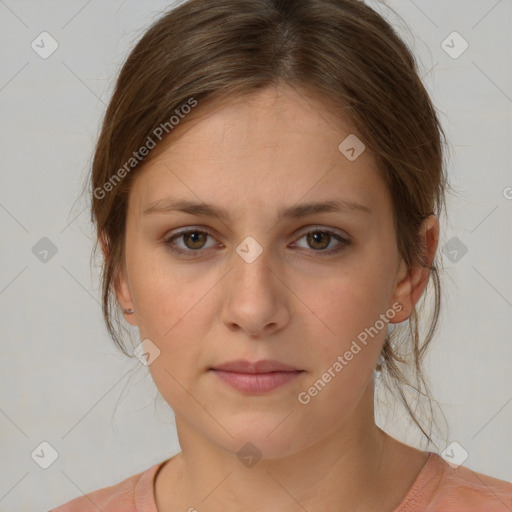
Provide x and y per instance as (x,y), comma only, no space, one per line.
(318,237)
(195,236)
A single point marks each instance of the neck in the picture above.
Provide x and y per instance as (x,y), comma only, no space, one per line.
(351,466)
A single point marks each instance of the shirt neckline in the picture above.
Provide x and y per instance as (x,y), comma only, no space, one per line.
(145,487)
(415,495)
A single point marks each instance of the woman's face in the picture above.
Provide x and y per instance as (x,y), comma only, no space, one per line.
(304,288)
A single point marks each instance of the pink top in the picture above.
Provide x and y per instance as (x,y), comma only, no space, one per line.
(438,488)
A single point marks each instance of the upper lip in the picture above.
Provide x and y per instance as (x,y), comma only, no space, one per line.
(262,366)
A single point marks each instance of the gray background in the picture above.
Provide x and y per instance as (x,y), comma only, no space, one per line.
(63,382)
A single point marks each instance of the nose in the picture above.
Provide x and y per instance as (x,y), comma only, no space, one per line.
(257,299)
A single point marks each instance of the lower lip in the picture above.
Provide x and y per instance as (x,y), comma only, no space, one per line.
(256,382)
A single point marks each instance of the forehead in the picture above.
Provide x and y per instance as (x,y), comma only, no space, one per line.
(274,145)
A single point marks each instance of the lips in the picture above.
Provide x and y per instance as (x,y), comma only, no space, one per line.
(262,366)
(256,377)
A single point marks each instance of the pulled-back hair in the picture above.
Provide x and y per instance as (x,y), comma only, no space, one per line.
(343,52)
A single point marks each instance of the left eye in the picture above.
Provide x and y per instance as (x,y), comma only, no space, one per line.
(319,240)
(195,240)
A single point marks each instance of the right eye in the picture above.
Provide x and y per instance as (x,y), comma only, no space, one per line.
(193,240)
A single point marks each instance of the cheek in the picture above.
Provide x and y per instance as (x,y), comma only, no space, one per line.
(165,294)
(175,311)
(343,348)
(345,322)
(347,302)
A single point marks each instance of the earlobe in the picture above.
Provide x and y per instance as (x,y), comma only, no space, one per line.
(120,284)
(411,283)
(124,296)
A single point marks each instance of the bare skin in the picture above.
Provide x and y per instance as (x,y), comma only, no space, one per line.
(396,472)
(253,157)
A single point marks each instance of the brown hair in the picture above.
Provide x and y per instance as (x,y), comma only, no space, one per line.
(340,50)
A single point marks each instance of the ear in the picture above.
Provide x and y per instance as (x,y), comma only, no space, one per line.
(411,283)
(120,283)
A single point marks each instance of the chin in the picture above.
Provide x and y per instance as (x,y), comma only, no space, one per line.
(257,439)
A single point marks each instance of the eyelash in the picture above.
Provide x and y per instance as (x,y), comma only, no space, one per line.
(169,241)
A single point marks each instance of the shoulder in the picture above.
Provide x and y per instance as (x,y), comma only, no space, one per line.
(473,490)
(449,488)
(120,496)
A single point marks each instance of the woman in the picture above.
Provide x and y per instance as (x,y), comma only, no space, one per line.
(266,189)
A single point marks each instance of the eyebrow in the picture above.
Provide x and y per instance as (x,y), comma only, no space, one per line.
(169,205)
